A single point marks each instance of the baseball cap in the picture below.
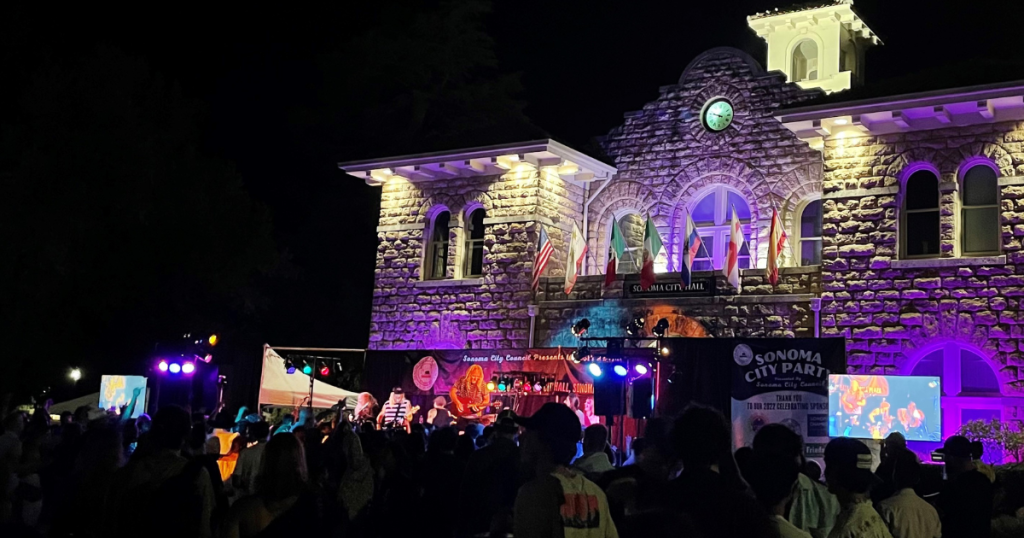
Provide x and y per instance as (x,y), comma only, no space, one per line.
(847,453)
(506,425)
(398,390)
(956,446)
(554,422)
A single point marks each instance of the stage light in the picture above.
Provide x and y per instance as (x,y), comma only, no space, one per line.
(325,370)
(188,368)
(526,387)
(213,339)
(640,369)
(635,327)
(620,370)
(208,358)
(174,368)
(595,369)
(580,327)
(665,351)
(289,366)
(580,354)
(661,328)
(538,387)
(492,384)
(75,374)
(162,366)
(501,386)
(306,368)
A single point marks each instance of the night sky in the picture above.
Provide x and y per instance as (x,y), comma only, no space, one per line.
(581,66)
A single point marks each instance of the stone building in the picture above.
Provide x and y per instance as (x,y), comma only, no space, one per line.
(904,215)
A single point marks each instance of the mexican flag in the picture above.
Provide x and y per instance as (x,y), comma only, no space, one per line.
(652,247)
(617,249)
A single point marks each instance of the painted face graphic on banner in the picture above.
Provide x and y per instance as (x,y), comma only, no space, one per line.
(424,374)
(742,355)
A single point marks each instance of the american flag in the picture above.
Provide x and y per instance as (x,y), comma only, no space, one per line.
(544,251)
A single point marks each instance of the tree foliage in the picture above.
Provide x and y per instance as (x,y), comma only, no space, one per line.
(995,434)
(115,228)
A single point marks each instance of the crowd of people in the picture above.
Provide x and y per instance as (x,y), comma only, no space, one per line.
(541,476)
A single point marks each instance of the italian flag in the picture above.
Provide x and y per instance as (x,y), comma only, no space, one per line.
(616,250)
(652,247)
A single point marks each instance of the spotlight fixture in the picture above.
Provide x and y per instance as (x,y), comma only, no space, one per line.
(661,328)
(188,368)
(527,387)
(75,374)
(595,369)
(325,370)
(580,327)
(620,370)
(501,385)
(307,368)
(289,366)
(208,358)
(213,339)
(174,368)
(665,351)
(581,353)
(635,327)
(493,383)
(537,387)
(640,369)
(162,366)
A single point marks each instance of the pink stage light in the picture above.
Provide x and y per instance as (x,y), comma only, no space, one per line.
(188,368)
(162,366)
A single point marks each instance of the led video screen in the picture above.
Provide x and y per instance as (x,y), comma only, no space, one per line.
(873,406)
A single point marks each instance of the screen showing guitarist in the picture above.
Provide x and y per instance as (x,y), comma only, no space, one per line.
(470,396)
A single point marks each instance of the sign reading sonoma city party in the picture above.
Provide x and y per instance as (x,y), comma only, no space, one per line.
(784,381)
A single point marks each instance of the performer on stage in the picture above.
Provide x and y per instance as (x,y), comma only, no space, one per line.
(366,404)
(470,396)
(573,402)
(394,413)
(439,416)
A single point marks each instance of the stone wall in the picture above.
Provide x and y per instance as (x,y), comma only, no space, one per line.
(485,312)
(891,309)
(761,311)
(667,160)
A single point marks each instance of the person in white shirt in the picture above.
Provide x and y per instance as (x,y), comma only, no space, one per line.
(773,478)
(250,460)
(906,514)
(594,461)
(849,477)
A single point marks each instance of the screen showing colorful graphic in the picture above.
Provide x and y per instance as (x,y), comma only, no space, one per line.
(873,406)
(117,391)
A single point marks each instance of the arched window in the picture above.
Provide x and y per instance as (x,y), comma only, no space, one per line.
(980,216)
(805,61)
(921,215)
(632,228)
(437,248)
(474,253)
(970,388)
(711,215)
(809,237)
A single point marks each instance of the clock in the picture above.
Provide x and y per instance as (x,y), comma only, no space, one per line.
(717,115)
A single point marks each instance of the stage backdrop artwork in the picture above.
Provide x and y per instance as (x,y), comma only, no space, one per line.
(117,390)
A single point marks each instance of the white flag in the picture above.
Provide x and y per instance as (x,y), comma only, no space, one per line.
(732,262)
(574,259)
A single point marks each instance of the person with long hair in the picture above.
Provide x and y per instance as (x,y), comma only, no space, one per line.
(470,394)
(283,504)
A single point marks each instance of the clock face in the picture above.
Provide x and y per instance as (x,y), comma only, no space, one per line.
(717,115)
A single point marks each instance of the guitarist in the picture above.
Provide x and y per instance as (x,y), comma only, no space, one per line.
(394,414)
(470,396)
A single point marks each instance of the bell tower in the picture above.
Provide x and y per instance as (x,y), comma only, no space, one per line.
(816,47)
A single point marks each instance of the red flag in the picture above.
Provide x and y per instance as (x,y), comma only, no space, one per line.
(776,244)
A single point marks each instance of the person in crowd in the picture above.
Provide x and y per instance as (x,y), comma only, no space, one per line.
(709,489)
(440,475)
(94,462)
(811,469)
(160,481)
(366,409)
(439,417)
(849,477)
(283,504)
(965,502)
(892,447)
(219,443)
(595,460)
(250,459)
(392,414)
(558,501)
(287,422)
(773,477)
(906,514)
(813,509)
(10,458)
(744,457)
(489,483)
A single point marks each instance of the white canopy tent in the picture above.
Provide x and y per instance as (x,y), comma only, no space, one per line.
(92,401)
(277,387)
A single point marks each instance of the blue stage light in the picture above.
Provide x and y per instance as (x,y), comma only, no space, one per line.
(620,370)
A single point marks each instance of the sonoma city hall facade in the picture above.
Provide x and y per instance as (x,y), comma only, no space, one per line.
(904,214)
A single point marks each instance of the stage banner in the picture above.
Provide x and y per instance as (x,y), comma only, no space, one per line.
(783,380)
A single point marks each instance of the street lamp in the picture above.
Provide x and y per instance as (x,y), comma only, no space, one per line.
(75,374)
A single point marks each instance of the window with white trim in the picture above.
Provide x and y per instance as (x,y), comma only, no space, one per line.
(979,217)
(920,220)
(436,261)
(808,240)
(712,215)
(473,256)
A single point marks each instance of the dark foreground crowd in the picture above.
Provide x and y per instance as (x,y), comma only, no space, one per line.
(180,475)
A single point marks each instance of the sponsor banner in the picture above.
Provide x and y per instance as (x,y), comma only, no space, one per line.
(783,381)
